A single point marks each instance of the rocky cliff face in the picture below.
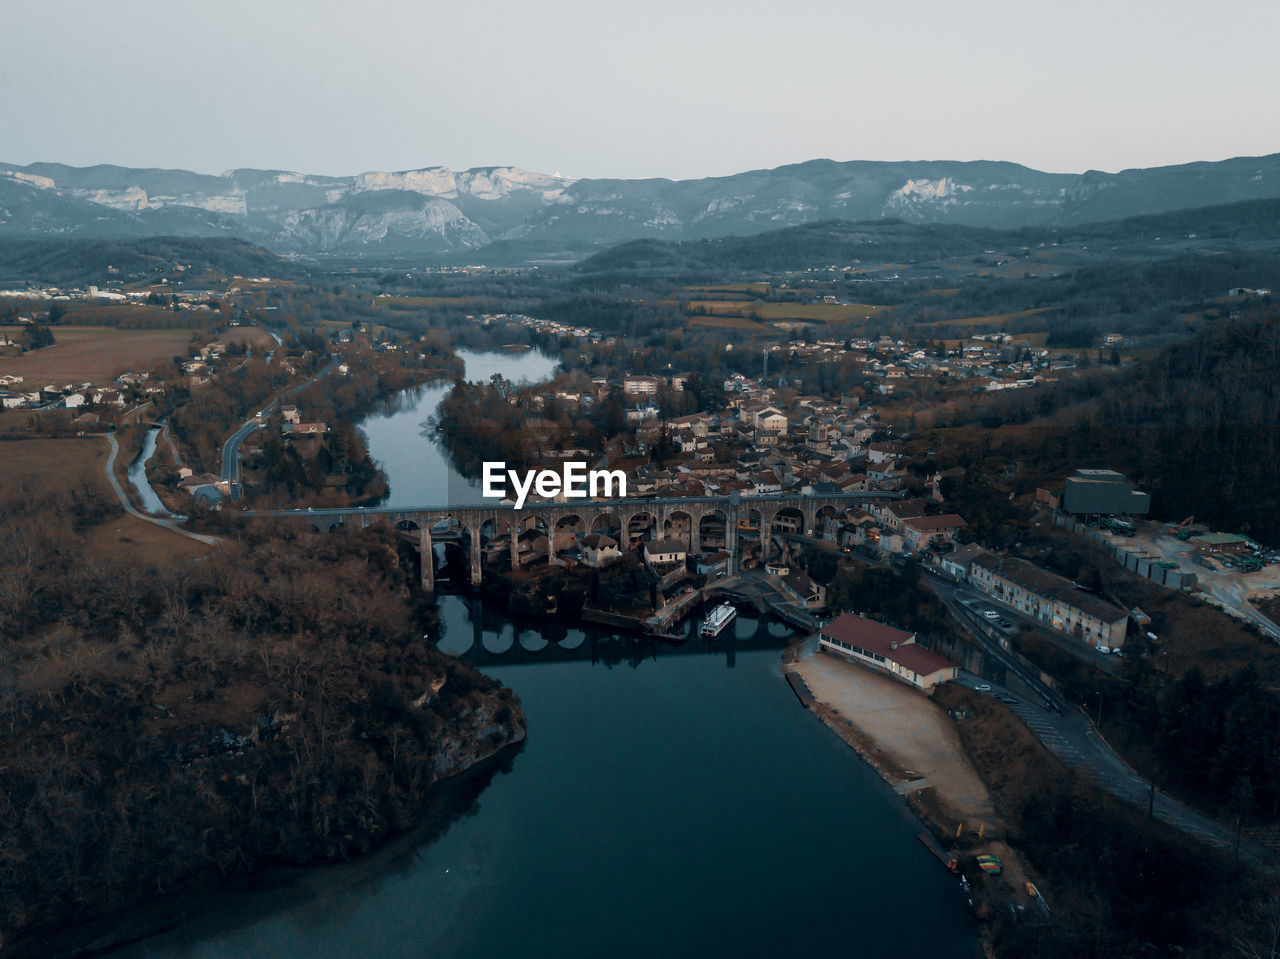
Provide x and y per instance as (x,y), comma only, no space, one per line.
(435,210)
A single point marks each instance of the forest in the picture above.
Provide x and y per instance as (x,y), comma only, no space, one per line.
(272,702)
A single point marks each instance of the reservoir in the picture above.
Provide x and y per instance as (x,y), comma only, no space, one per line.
(670,801)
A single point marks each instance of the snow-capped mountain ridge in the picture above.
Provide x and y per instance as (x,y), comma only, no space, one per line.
(434,210)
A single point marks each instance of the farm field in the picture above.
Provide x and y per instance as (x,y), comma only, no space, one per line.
(248,335)
(94,354)
(731,288)
(992,319)
(79,466)
(731,323)
(822,312)
(764,311)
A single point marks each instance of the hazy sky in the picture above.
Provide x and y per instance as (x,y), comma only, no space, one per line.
(642,88)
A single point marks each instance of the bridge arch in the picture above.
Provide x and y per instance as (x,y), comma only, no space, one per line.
(641,527)
(609,524)
(678,525)
(789,519)
(713,530)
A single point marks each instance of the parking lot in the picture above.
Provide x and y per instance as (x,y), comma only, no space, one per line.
(1219,575)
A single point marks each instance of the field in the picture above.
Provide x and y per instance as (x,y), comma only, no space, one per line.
(993,319)
(722,307)
(79,466)
(731,288)
(813,312)
(822,312)
(731,323)
(94,354)
(248,335)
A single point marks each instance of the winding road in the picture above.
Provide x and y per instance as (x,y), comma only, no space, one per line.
(1070,736)
(231,448)
(169,524)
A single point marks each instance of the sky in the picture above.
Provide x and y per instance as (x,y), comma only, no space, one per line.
(657,88)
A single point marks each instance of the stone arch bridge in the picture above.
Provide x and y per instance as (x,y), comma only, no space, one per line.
(716,522)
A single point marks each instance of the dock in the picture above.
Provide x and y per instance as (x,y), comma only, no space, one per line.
(932,845)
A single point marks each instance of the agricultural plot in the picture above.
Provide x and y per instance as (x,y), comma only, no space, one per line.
(820,312)
(731,323)
(731,288)
(94,354)
(767,312)
(992,319)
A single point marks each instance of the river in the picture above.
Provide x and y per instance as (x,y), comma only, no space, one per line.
(401,443)
(138,476)
(669,801)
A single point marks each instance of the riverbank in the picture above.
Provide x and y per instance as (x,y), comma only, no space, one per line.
(912,743)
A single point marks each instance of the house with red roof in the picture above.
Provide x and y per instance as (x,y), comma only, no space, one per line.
(889,650)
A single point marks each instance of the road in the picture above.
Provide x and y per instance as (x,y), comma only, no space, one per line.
(169,524)
(231,448)
(1072,737)
(957,595)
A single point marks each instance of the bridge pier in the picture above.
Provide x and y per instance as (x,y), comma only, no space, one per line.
(731,540)
(477,569)
(427,555)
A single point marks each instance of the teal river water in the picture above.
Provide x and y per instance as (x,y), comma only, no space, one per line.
(668,802)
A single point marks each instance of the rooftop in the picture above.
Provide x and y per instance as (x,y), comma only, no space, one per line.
(893,644)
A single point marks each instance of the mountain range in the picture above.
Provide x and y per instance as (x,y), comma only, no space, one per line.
(505,214)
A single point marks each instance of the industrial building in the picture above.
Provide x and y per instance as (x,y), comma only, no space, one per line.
(1103,493)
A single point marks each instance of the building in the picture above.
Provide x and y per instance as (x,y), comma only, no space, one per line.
(634,384)
(599,549)
(713,565)
(1049,598)
(921,532)
(803,589)
(956,564)
(1223,543)
(771,420)
(1103,493)
(890,650)
(659,552)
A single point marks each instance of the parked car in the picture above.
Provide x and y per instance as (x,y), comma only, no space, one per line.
(1104,650)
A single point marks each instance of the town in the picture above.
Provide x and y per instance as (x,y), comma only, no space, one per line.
(927,508)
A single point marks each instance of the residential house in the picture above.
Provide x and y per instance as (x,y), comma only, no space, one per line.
(599,549)
(661,552)
(770,419)
(956,563)
(803,589)
(921,532)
